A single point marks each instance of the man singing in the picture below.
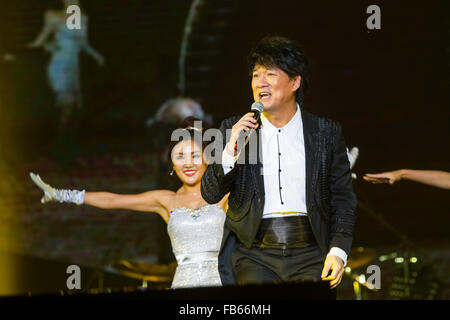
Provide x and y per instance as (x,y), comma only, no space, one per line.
(291,214)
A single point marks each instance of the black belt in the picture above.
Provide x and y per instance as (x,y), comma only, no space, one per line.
(285,233)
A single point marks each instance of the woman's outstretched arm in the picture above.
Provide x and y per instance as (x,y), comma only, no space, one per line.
(50,22)
(435,178)
(150,201)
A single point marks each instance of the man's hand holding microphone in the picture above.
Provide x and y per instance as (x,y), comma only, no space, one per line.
(248,122)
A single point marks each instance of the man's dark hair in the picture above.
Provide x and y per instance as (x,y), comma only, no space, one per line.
(287,55)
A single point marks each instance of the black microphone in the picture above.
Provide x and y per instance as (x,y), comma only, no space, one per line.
(257,108)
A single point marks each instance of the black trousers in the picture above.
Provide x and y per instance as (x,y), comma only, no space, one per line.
(262,265)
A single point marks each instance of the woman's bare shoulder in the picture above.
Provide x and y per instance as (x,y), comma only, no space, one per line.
(159,193)
(224,202)
(166,193)
(164,196)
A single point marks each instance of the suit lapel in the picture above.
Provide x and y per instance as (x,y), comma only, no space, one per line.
(257,169)
(311,138)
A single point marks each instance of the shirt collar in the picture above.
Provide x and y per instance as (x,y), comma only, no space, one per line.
(290,127)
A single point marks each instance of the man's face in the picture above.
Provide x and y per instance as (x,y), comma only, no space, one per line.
(273,87)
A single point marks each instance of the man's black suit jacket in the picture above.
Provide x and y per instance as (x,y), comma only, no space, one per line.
(330,199)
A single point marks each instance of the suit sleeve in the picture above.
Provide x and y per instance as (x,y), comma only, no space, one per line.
(343,199)
(215,184)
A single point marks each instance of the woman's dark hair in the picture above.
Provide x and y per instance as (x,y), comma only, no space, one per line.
(187,124)
(285,54)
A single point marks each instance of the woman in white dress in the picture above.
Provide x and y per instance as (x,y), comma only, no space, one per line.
(195,227)
(63,72)
(65,45)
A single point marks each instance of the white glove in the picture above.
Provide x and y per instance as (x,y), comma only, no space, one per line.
(61,195)
(352,156)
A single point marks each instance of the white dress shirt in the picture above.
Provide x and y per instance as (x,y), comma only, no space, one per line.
(284,169)
(283,154)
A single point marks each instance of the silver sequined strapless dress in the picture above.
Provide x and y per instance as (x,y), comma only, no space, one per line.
(196,236)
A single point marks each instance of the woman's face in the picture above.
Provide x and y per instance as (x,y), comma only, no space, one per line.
(188,162)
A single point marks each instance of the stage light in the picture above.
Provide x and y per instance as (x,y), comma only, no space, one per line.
(399,260)
(362,279)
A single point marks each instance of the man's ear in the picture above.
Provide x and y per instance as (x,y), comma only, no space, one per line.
(296,82)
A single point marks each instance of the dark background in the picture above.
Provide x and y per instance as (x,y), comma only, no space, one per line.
(388,88)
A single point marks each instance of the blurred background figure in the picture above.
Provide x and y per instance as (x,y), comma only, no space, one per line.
(176,109)
(166,119)
(434,178)
(63,71)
